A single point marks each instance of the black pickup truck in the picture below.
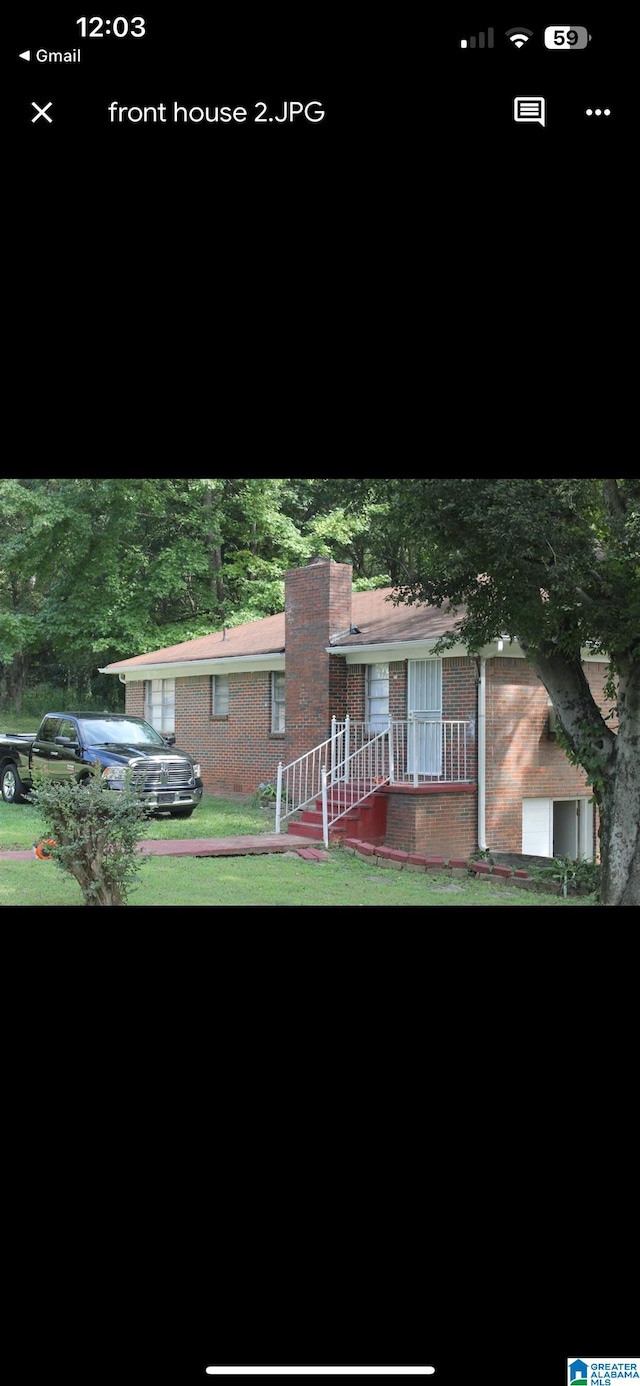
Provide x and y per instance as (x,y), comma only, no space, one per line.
(75,745)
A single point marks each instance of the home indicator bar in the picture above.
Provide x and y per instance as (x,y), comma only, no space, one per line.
(471,43)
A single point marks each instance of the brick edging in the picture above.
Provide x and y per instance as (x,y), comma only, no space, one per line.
(501,876)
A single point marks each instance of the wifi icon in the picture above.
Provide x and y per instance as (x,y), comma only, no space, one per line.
(519,36)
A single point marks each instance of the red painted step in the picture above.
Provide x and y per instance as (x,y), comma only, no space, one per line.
(367,822)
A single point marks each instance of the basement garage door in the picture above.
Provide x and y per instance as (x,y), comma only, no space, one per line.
(557,828)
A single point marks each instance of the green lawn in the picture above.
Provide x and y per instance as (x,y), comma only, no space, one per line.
(270,880)
(21,824)
(172,882)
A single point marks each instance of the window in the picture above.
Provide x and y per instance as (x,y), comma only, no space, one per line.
(160,704)
(377,697)
(277,702)
(219,695)
(49,729)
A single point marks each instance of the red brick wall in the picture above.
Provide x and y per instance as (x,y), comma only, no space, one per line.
(235,752)
(317,606)
(435,821)
(523,761)
(134,699)
(238,751)
(460,703)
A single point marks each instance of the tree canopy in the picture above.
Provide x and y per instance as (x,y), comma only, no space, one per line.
(555,565)
(95,569)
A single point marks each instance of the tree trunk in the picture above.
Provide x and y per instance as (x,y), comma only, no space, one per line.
(620,831)
(16,676)
(610,759)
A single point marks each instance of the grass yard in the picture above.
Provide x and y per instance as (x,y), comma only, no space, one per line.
(278,880)
(21,824)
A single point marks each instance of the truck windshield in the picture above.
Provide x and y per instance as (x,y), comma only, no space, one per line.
(121,731)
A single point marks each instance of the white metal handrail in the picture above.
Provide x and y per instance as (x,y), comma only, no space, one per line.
(357,759)
(355,776)
(300,782)
(429,750)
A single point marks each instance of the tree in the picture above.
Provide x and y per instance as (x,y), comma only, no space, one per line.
(98,568)
(94,834)
(555,565)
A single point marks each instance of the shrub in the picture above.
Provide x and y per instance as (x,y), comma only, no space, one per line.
(94,834)
(572,873)
(267,793)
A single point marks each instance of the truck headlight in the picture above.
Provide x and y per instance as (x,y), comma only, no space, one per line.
(196,770)
(114,772)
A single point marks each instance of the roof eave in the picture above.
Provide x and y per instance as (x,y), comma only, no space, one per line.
(392,649)
(211,664)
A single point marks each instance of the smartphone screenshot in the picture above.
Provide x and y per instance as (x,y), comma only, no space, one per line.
(513,80)
(191,210)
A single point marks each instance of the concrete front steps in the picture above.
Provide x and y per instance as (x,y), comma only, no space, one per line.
(365,823)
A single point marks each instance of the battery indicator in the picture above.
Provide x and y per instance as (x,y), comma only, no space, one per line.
(564,37)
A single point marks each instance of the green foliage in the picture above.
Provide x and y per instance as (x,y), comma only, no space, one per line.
(96,833)
(585,749)
(267,793)
(545,561)
(572,873)
(554,564)
(96,569)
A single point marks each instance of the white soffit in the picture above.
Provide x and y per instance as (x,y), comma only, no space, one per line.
(195,668)
(386,654)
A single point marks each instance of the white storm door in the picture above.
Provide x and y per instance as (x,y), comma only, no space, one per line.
(424,712)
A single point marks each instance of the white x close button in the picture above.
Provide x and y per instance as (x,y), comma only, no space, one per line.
(42,111)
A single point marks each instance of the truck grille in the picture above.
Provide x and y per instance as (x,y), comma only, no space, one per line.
(164,775)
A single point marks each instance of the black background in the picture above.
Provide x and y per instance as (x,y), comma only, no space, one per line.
(414,278)
(302,283)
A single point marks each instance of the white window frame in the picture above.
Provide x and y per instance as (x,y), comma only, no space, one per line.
(377,691)
(219,695)
(277,703)
(160,704)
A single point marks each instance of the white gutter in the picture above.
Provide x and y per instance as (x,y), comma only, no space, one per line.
(183,668)
(482,751)
(386,651)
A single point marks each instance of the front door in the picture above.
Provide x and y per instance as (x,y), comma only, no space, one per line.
(424,712)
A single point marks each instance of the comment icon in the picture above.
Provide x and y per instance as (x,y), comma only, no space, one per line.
(530,109)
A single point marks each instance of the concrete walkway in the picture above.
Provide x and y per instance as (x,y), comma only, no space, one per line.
(250,845)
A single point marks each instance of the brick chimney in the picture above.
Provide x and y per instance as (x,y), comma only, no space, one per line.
(317,607)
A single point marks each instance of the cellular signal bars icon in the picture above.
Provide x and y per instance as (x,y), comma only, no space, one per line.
(471,43)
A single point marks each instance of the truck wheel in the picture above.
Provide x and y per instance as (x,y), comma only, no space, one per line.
(181,813)
(12,792)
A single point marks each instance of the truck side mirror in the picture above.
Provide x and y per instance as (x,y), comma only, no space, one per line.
(170,739)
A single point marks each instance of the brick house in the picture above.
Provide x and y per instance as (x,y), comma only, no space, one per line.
(443,755)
